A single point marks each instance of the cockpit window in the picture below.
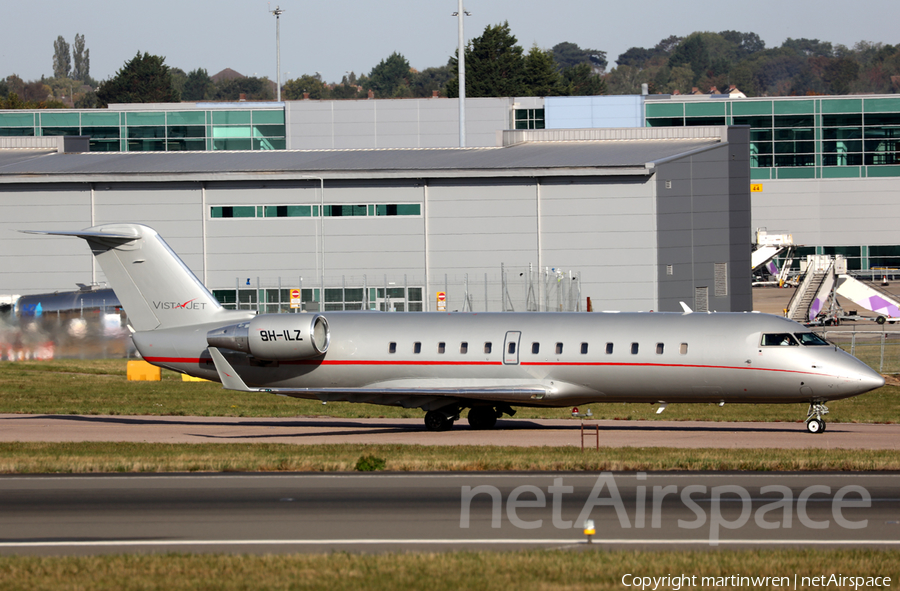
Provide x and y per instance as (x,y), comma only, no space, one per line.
(810,339)
(779,339)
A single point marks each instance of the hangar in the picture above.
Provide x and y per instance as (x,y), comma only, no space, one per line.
(636,218)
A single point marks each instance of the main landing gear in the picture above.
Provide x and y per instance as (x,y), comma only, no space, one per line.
(441,420)
(814,422)
(480,417)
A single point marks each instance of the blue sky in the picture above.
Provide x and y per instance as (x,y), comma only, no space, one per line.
(345,35)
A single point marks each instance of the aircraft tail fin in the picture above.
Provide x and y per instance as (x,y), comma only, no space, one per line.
(154,286)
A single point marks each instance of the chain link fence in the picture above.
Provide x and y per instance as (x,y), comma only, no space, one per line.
(512,289)
(880,350)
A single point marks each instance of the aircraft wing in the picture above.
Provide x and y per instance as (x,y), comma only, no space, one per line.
(416,397)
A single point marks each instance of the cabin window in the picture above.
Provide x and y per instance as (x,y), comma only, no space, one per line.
(512,348)
(811,339)
(464,347)
(487,347)
(634,348)
(609,348)
(683,349)
(392,348)
(779,339)
(535,348)
(417,347)
(584,348)
(559,348)
(660,347)
(442,346)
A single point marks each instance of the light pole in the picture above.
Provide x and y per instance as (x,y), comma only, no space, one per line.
(278,12)
(461,61)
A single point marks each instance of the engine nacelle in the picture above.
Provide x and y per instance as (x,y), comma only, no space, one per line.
(275,337)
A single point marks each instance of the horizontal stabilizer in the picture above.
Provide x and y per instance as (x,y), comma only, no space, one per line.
(153,284)
(126,236)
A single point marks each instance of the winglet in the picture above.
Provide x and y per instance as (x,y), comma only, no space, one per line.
(229,378)
(686,308)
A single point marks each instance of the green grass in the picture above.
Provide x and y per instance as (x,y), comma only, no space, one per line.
(542,570)
(105,457)
(100,387)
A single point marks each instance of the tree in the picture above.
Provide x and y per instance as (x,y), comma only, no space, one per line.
(809,47)
(667,46)
(430,79)
(62,62)
(840,74)
(568,54)
(198,86)
(708,54)
(179,77)
(255,89)
(389,75)
(82,60)
(580,80)
(746,43)
(634,57)
(144,79)
(294,89)
(495,65)
(541,77)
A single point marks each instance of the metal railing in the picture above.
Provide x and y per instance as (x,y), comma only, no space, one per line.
(880,350)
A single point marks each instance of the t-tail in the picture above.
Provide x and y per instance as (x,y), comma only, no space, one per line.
(154,286)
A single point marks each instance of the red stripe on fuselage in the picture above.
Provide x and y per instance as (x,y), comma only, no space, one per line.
(379,362)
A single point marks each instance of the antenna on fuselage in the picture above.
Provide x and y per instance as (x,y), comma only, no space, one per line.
(686,308)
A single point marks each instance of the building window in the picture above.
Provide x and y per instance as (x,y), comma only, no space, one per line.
(529,119)
(232,211)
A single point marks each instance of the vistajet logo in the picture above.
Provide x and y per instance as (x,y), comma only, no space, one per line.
(188,305)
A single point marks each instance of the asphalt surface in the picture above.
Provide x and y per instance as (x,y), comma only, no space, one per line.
(53,515)
(512,432)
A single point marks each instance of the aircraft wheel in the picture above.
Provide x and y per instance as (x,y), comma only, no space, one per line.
(437,421)
(880,320)
(815,426)
(482,417)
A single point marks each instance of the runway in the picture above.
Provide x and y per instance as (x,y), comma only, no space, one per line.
(511,432)
(53,515)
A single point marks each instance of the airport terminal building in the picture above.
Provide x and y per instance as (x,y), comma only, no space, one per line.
(251,181)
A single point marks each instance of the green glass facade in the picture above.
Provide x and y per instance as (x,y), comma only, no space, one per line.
(797,138)
(156,131)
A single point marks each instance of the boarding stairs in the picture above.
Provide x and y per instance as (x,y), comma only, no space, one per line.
(814,289)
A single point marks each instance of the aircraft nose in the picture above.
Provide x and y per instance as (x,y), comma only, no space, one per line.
(871,381)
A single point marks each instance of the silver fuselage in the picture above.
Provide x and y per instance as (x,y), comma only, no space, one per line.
(567,358)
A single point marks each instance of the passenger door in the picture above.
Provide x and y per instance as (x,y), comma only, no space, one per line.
(511,348)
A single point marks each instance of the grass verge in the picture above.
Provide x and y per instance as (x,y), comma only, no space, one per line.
(100,387)
(93,457)
(545,570)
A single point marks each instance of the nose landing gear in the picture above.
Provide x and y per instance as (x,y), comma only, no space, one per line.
(814,422)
